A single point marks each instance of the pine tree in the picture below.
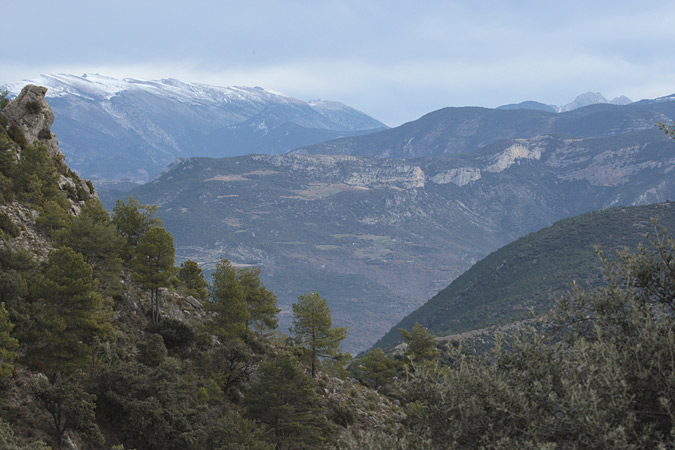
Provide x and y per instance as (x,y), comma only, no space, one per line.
(376,369)
(70,316)
(152,264)
(227,302)
(93,235)
(261,302)
(313,328)
(284,399)
(70,407)
(132,220)
(191,277)
(421,346)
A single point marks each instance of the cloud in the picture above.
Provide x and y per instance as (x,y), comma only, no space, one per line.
(393,59)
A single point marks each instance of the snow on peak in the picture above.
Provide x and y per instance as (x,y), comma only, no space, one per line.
(96,86)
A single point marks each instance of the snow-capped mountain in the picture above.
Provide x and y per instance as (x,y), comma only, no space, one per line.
(111,129)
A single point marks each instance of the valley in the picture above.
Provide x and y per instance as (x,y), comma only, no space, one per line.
(378,237)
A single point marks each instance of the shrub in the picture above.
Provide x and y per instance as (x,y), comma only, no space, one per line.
(33,106)
(7,226)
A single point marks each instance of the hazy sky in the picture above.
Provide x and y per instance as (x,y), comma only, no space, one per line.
(395,60)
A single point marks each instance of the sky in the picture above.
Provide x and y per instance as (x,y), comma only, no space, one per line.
(394,60)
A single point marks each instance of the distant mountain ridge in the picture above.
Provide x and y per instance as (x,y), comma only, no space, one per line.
(112,129)
(458,130)
(586,99)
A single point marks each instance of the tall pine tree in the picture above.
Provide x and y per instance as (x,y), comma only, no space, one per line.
(313,328)
(153,264)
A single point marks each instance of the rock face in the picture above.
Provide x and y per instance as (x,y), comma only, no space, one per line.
(33,115)
(30,112)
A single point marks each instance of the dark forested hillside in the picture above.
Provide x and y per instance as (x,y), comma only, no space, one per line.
(534,271)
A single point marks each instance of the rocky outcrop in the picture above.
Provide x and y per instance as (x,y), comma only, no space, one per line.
(31,113)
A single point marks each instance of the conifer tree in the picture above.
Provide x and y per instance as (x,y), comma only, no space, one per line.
(227,302)
(153,264)
(93,235)
(71,315)
(70,407)
(421,346)
(313,328)
(132,220)
(261,302)
(377,369)
(191,277)
(284,399)
(35,176)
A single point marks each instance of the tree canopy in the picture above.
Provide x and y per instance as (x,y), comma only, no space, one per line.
(313,328)
(152,264)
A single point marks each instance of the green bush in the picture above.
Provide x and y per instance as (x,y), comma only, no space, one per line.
(33,106)
(597,374)
(7,226)
(177,335)
(16,134)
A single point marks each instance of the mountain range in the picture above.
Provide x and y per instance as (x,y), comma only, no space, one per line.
(376,223)
(379,236)
(112,130)
(461,129)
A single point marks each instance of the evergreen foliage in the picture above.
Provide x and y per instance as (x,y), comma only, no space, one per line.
(70,407)
(227,303)
(152,264)
(17,272)
(132,220)
(284,399)
(376,369)
(230,365)
(8,344)
(261,302)
(598,374)
(70,314)
(35,177)
(93,235)
(153,407)
(53,217)
(4,99)
(7,227)
(421,348)
(8,440)
(192,279)
(313,329)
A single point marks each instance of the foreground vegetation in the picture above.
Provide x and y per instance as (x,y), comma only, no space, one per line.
(597,372)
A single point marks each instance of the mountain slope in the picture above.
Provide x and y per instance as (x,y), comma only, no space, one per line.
(115,129)
(457,130)
(377,236)
(533,271)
